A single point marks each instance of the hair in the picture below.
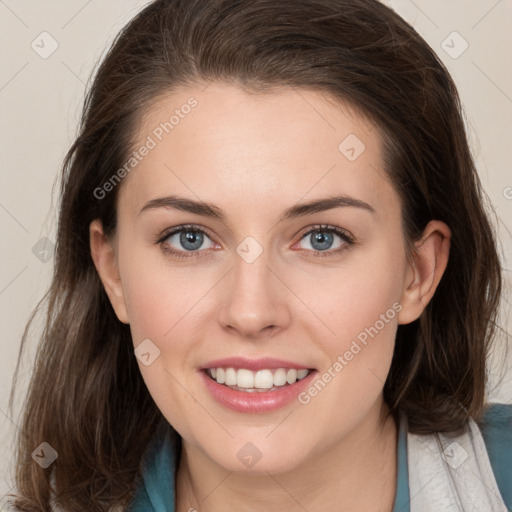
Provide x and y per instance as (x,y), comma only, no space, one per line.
(86,397)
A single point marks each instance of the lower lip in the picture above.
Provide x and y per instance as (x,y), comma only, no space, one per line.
(257,401)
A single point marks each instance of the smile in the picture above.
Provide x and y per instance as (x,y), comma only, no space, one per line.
(242,379)
(256,391)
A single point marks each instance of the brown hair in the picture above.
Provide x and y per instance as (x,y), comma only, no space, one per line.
(87,398)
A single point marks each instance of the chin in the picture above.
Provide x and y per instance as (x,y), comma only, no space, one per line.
(249,459)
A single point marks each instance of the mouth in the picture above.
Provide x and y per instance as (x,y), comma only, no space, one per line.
(260,381)
(258,390)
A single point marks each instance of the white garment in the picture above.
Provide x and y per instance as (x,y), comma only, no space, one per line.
(451,473)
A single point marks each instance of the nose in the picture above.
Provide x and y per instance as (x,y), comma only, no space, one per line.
(255,298)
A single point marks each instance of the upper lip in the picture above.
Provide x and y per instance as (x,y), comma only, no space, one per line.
(254,364)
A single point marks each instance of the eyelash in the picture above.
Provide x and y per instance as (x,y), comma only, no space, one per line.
(349,240)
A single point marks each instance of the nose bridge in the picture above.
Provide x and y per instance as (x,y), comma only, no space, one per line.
(252,267)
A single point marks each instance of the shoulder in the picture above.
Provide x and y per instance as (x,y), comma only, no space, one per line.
(496,428)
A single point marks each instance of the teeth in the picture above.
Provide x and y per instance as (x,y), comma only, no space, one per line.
(302,373)
(244,379)
(262,379)
(291,376)
(280,377)
(230,377)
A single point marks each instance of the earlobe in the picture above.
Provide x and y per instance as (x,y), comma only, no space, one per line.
(103,255)
(425,270)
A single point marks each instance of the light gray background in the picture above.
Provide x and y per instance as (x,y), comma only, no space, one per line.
(40,100)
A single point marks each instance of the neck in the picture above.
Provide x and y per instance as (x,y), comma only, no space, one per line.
(358,473)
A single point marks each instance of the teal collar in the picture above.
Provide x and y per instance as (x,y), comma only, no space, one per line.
(402,497)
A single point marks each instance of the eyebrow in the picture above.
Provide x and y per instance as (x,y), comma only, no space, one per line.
(210,210)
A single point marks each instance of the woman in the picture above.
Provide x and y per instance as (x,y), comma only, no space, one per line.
(276,284)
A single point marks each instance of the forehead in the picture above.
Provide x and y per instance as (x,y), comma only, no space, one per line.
(223,144)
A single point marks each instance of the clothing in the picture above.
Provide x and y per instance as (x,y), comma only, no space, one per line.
(156,492)
(452,472)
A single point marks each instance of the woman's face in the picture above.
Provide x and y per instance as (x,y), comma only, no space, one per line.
(260,285)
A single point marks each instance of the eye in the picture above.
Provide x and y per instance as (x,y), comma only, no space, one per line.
(183,240)
(321,239)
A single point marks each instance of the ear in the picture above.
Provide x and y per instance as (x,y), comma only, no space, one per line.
(425,269)
(104,257)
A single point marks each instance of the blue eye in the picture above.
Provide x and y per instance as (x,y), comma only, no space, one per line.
(190,240)
(321,239)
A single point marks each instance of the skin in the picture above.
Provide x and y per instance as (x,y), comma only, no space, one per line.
(254,156)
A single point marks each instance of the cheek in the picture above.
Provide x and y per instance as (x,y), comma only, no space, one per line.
(361,310)
(361,294)
(367,298)
(158,301)
(158,296)
(360,306)
(150,304)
